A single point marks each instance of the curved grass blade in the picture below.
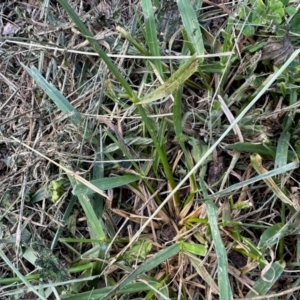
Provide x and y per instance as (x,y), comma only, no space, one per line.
(133,41)
(263,286)
(271,237)
(256,163)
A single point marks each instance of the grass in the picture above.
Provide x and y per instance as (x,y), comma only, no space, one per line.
(150,151)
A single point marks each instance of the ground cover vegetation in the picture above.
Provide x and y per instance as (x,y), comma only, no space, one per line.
(149,149)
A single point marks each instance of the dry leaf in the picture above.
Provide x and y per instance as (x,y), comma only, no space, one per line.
(277,50)
(9,29)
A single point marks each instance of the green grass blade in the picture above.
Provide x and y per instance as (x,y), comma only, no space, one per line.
(160,150)
(288,122)
(149,264)
(136,287)
(282,149)
(263,286)
(281,160)
(131,94)
(105,184)
(162,290)
(174,82)
(203,272)
(223,280)
(271,236)
(191,26)
(177,112)
(97,231)
(20,276)
(61,102)
(133,41)
(66,216)
(194,248)
(4,281)
(177,117)
(261,149)
(83,29)
(235,187)
(298,250)
(150,33)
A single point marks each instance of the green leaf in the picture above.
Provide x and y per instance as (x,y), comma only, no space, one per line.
(275,11)
(291,10)
(260,6)
(56,188)
(105,184)
(295,23)
(138,251)
(276,16)
(244,12)
(248,30)
(267,238)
